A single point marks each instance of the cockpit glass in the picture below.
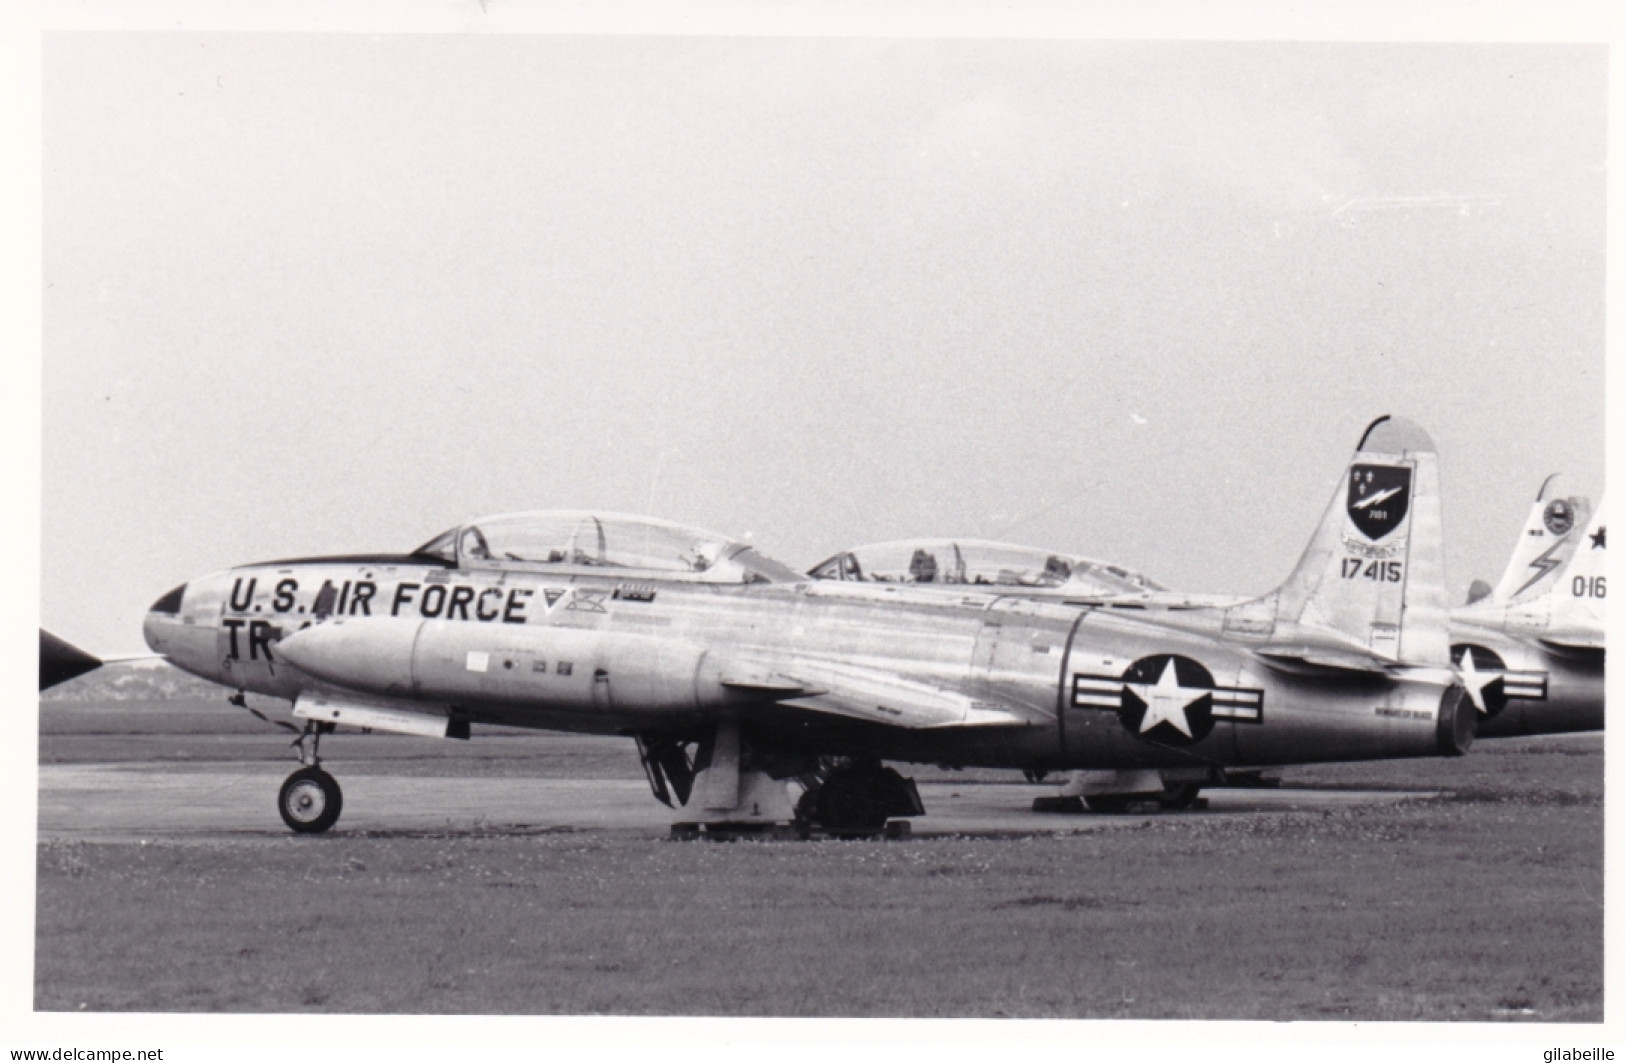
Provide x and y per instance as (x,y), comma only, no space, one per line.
(612,542)
(970,562)
(443,546)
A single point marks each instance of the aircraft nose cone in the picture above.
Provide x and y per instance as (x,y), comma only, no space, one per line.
(170,603)
(162,613)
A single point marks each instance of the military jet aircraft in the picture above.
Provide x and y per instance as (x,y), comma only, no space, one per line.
(735,675)
(1520,683)
(1533,661)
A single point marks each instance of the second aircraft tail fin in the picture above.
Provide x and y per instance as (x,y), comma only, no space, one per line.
(1544,545)
(1578,599)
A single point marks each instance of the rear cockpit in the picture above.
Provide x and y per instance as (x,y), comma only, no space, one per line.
(602,544)
(977,563)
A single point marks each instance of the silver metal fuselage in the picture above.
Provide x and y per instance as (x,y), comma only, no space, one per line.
(589,651)
(1547,690)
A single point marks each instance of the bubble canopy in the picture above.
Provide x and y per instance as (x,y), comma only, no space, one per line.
(557,540)
(976,562)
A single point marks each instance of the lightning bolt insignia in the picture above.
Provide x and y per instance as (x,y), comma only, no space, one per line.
(1542,565)
(1367,503)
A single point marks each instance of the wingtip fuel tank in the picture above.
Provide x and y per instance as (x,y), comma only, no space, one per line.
(569,669)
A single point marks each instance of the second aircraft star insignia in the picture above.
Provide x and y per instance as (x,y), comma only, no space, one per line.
(1600,539)
(1166,701)
(1474,680)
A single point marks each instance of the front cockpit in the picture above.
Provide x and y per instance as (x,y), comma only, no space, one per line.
(602,544)
(977,563)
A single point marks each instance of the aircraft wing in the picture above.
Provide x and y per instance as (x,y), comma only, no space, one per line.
(881,697)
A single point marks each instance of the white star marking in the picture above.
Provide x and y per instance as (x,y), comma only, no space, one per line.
(1474,680)
(1167,701)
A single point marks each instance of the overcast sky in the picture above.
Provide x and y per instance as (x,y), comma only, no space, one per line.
(310,294)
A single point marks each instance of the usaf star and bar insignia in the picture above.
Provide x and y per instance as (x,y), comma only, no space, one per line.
(1169,698)
(1488,681)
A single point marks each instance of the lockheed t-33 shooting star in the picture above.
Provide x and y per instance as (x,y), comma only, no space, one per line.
(1529,651)
(737,677)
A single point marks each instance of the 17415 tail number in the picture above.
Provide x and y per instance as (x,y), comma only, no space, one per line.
(1382,571)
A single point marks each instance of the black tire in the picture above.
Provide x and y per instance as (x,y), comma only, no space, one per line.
(310,801)
(848,801)
(807,806)
(1180,795)
(1108,802)
(1458,722)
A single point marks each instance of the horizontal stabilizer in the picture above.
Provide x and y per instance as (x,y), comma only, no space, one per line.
(1576,643)
(60,660)
(1318,659)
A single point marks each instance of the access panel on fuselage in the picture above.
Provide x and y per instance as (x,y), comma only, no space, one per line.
(1020,648)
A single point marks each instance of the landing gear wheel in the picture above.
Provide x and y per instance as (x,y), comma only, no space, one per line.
(858,797)
(1179,795)
(310,801)
(1108,802)
(849,802)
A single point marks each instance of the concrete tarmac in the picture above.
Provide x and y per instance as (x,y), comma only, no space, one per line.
(104,802)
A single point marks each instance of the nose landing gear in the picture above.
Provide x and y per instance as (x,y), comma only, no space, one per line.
(310,799)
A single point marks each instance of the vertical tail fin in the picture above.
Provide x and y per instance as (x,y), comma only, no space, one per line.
(1544,546)
(1369,590)
(1579,598)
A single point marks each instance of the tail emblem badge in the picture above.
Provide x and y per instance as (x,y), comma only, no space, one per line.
(1559,516)
(1379,498)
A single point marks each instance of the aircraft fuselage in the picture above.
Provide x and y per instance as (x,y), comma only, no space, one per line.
(588,652)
